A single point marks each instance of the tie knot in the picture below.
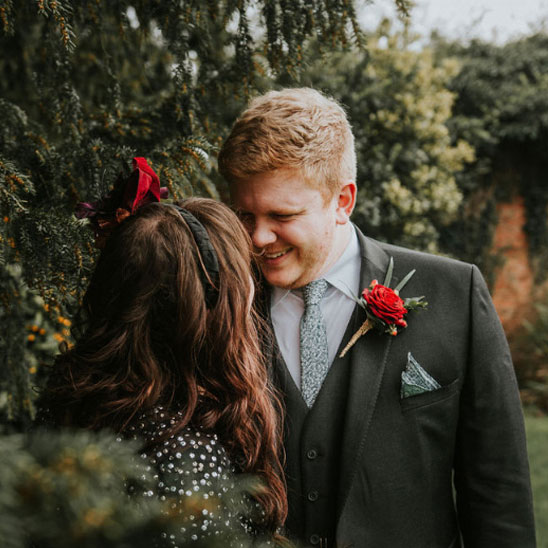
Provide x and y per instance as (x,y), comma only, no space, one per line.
(314,291)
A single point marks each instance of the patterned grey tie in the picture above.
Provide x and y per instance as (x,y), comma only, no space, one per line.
(314,357)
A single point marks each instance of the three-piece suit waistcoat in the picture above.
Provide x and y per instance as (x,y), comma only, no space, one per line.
(313,449)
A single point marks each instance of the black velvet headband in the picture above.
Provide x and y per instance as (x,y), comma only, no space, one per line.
(209,273)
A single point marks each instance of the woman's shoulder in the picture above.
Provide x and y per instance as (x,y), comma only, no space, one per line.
(190,445)
(195,476)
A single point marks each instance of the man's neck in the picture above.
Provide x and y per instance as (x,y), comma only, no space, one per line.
(340,243)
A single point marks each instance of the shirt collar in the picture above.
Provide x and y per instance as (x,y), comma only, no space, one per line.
(344,275)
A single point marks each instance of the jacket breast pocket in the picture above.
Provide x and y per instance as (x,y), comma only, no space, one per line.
(450,390)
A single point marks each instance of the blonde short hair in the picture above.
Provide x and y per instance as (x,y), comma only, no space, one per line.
(295,128)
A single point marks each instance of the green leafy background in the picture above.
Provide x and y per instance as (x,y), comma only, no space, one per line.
(444,133)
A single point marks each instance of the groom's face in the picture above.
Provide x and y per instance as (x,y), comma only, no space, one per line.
(292,225)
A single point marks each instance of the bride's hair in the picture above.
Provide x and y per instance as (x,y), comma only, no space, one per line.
(146,338)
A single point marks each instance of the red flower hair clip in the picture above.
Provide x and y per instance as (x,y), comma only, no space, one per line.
(130,193)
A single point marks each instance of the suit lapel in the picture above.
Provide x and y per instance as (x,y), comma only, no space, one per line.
(293,399)
(367,363)
(296,412)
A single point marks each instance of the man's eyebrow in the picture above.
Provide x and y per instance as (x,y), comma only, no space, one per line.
(272,212)
(287,211)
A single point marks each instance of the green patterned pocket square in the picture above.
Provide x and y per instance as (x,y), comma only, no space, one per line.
(415,380)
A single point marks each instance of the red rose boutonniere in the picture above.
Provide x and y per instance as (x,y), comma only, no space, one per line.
(384,307)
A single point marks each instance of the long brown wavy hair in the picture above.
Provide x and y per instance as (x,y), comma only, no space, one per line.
(147,339)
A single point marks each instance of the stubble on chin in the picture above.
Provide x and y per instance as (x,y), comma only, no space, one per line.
(305,269)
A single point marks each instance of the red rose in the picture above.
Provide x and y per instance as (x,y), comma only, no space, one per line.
(385,304)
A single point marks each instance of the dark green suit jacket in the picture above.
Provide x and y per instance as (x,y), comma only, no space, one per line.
(442,469)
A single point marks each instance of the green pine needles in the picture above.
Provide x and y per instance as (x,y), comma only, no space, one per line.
(85,86)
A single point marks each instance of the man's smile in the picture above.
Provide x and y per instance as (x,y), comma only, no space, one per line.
(275,256)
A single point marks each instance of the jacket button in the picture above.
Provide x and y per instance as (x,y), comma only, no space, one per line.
(314,539)
(313,495)
(312,454)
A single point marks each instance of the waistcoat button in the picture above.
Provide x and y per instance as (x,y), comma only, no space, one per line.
(312,454)
(313,495)
(314,539)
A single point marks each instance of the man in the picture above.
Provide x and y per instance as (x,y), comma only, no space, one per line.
(408,441)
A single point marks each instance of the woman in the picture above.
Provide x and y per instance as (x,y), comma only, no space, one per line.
(168,350)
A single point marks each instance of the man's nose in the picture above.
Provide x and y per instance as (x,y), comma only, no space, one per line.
(262,234)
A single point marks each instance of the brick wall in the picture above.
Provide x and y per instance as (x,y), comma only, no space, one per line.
(513,288)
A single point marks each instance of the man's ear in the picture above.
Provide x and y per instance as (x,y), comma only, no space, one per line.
(346,201)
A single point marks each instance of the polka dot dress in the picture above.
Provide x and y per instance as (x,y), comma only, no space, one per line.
(194,476)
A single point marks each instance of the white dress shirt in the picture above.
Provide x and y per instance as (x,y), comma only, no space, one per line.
(287,307)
